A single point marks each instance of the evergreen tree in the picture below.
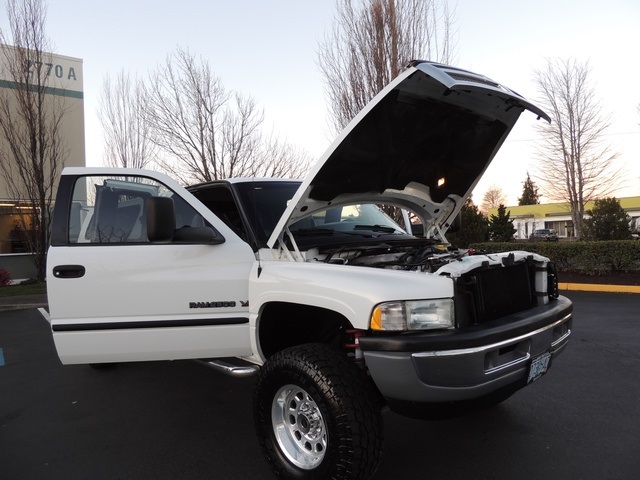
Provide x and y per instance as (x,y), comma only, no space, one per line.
(530,195)
(608,221)
(501,227)
(473,228)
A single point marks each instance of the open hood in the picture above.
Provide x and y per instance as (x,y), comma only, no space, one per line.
(422,144)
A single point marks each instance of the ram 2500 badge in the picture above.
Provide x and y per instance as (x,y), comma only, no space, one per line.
(338,309)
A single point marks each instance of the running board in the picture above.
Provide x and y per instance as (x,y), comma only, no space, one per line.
(238,371)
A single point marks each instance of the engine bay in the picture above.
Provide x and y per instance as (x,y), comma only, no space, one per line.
(420,256)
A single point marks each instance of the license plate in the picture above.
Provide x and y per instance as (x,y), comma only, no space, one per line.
(539,367)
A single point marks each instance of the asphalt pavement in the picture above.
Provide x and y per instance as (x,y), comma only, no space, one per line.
(180,420)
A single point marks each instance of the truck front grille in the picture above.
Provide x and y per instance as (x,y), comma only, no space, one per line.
(493,292)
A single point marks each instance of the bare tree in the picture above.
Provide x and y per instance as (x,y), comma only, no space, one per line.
(493,198)
(278,158)
(209,132)
(127,133)
(32,152)
(372,41)
(575,164)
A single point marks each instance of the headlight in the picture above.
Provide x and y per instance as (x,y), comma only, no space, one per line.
(413,315)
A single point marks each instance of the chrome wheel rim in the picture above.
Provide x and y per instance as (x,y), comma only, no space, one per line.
(299,427)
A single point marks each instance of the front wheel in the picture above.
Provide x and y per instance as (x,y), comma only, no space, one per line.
(317,415)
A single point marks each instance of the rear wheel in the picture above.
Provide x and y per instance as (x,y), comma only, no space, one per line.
(317,415)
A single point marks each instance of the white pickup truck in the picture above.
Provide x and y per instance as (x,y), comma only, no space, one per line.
(339,310)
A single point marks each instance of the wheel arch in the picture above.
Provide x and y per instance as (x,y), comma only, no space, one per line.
(282,325)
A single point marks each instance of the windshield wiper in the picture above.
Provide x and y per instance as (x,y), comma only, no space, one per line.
(376,228)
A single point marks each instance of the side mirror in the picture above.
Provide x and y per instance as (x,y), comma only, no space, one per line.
(417,230)
(161,219)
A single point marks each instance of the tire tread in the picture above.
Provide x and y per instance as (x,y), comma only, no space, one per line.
(351,397)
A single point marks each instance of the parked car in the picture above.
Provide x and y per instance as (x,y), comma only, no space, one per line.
(544,234)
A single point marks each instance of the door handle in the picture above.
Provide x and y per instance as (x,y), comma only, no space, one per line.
(68,271)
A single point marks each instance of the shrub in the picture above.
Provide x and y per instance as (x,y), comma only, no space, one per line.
(608,221)
(5,278)
(501,227)
(589,258)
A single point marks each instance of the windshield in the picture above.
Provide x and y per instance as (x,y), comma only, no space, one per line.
(265,202)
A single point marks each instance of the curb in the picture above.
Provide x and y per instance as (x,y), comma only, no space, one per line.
(21,306)
(596,287)
(22,302)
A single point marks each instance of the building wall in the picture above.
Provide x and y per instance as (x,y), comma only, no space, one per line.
(64,87)
(557,216)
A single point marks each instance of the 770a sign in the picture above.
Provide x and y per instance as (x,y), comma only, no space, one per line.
(49,69)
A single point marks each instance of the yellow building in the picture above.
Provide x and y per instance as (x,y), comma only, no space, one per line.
(63,77)
(557,216)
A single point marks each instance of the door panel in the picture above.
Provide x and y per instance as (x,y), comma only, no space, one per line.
(114,296)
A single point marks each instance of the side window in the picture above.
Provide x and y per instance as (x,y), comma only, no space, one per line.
(112,209)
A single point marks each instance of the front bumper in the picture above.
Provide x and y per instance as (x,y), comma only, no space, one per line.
(464,364)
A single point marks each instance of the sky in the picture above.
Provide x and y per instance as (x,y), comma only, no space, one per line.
(268,50)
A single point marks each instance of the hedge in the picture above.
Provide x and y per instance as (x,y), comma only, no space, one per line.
(590,258)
